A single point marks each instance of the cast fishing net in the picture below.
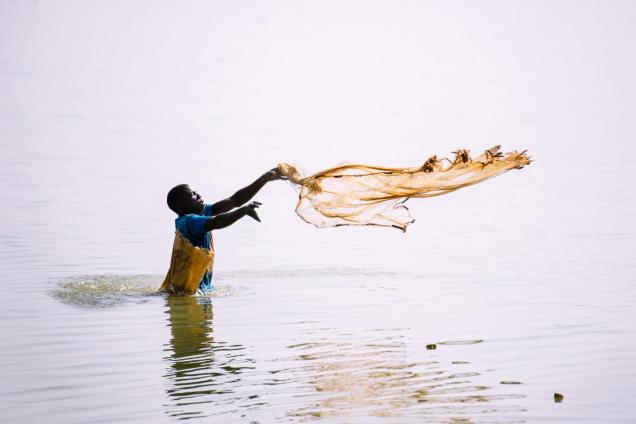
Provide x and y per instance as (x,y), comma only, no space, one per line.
(354,194)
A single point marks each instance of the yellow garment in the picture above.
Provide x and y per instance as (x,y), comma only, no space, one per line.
(354,194)
(187,266)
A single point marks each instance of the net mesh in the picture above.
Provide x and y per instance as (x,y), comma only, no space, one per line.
(355,194)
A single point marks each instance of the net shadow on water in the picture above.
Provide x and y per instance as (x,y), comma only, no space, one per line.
(370,379)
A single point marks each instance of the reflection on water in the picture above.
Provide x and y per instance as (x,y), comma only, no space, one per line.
(375,377)
(201,370)
(332,374)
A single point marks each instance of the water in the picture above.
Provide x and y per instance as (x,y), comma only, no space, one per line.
(525,283)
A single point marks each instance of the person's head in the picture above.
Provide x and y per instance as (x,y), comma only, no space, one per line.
(183,200)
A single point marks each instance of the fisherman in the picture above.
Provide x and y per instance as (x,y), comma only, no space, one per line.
(193,250)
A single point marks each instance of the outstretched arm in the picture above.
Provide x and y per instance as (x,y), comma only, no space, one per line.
(225,219)
(245,194)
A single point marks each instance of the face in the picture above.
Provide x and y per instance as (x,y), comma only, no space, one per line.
(192,201)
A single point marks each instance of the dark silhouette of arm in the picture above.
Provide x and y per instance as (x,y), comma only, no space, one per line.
(226,219)
(245,194)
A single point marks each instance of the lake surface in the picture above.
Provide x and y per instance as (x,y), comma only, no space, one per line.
(525,283)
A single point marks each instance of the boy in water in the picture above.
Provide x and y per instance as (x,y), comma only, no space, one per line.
(196,219)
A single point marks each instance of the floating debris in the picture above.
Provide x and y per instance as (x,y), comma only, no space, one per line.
(558,397)
(431,346)
(510,382)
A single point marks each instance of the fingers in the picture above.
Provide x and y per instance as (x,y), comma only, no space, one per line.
(253,214)
(274,174)
(250,210)
(279,175)
(271,175)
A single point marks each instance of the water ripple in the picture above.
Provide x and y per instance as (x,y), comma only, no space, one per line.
(374,376)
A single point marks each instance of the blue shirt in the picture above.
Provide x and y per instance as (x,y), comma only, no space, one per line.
(192,226)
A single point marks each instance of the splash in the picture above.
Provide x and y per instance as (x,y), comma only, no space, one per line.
(355,194)
(105,291)
(220,290)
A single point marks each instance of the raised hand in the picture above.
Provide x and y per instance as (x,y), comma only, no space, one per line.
(273,174)
(250,209)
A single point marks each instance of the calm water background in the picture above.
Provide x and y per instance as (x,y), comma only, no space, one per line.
(528,278)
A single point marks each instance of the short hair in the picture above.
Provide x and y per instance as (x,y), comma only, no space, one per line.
(175,195)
